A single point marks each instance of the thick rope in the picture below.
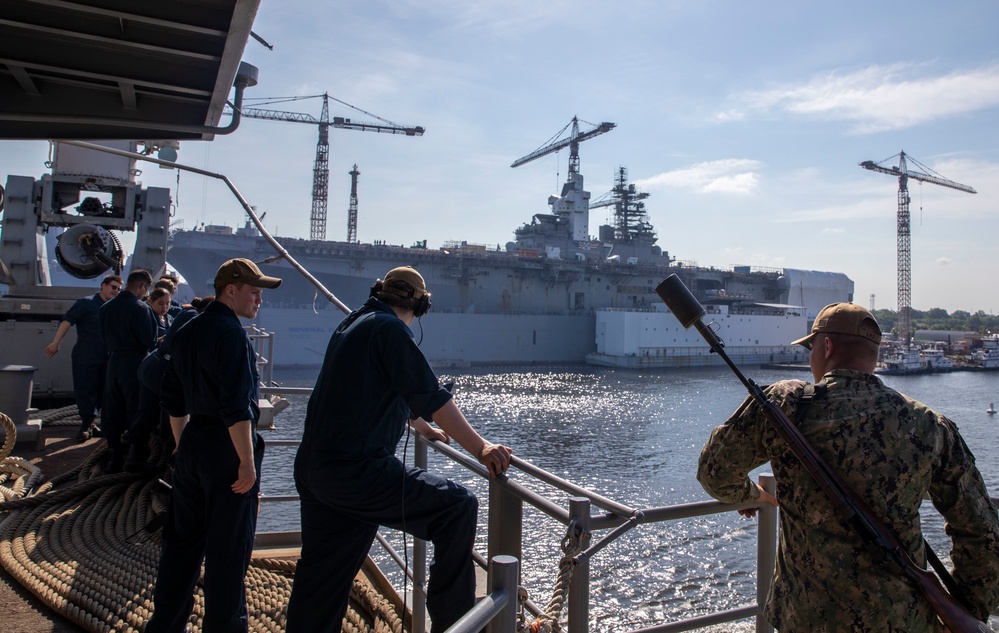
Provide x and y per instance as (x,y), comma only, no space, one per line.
(65,416)
(79,543)
(10,435)
(548,620)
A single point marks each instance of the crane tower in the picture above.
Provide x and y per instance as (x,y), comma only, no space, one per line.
(321,166)
(902,230)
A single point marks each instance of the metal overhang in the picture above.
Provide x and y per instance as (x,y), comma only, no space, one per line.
(118,69)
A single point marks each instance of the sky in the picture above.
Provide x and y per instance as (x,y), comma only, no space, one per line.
(744,121)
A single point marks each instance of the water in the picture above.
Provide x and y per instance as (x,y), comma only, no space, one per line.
(635,437)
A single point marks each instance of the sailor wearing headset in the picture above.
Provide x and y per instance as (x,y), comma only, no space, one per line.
(375,377)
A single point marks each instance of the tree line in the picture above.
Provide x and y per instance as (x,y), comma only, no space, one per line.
(940,319)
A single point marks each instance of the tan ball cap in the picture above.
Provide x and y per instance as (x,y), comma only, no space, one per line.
(410,276)
(843,318)
(244,271)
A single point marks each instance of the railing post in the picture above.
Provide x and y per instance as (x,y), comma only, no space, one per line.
(506,524)
(270,358)
(578,617)
(766,551)
(504,575)
(420,453)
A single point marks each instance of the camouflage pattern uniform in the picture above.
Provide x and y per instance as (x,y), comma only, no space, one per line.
(891,450)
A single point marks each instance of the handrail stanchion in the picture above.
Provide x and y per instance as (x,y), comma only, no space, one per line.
(420,557)
(578,617)
(766,552)
(506,523)
(270,357)
(504,576)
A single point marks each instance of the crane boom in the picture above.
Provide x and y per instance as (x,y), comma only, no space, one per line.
(904,246)
(575,138)
(337,121)
(321,168)
(917,175)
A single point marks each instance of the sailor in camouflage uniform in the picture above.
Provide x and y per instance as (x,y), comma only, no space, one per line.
(892,451)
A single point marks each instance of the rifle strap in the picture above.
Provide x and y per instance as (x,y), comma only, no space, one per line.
(809,394)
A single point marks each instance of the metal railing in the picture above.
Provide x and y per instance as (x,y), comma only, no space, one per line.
(263,345)
(505,536)
(505,543)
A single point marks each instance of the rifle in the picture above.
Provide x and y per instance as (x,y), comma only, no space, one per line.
(851,508)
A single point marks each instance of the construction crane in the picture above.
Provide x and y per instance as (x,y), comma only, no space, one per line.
(904,247)
(321,166)
(575,138)
(572,207)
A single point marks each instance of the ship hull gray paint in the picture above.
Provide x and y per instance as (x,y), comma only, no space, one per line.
(488,307)
(448,339)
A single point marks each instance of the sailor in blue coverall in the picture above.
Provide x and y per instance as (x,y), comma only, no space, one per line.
(349,478)
(210,389)
(90,355)
(128,327)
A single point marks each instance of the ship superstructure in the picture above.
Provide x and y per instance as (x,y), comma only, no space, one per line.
(535,301)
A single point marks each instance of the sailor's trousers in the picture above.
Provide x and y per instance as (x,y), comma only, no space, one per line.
(344,502)
(206,521)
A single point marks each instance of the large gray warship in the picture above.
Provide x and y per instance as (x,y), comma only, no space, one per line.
(533,301)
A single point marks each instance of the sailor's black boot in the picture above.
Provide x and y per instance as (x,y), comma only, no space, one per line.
(86,429)
(138,456)
(117,461)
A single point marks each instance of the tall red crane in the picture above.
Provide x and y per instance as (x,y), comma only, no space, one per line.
(904,247)
(321,166)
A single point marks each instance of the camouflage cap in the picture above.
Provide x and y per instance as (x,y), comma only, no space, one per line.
(843,318)
(244,271)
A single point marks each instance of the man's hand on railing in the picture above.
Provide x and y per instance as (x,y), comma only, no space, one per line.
(495,457)
(765,497)
(432,433)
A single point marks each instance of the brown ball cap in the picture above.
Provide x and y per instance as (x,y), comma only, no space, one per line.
(410,276)
(244,271)
(843,318)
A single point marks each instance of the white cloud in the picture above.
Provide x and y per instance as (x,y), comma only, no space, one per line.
(731,175)
(736,183)
(880,98)
(730,115)
(944,261)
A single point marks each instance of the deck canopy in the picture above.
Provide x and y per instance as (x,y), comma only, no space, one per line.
(119,69)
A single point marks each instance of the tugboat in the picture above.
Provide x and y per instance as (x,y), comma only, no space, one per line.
(901,361)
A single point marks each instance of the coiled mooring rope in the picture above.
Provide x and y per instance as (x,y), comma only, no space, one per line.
(80,544)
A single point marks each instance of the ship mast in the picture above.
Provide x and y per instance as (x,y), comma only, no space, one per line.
(352,211)
(630,219)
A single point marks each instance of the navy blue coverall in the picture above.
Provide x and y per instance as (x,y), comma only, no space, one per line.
(350,480)
(149,415)
(128,327)
(90,355)
(211,376)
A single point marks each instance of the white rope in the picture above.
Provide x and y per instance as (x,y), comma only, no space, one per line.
(548,620)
